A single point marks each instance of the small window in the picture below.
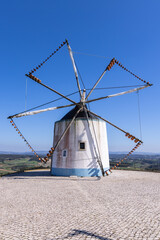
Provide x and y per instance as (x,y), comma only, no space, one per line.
(64,153)
(82,146)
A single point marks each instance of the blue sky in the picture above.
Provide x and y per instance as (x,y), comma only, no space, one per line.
(126,30)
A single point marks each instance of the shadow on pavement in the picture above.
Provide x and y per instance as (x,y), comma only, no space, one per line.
(34,173)
(77,232)
(45,174)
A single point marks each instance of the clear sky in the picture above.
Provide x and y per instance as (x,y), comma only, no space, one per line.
(126,30)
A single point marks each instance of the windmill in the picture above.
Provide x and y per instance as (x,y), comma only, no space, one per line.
(80,144)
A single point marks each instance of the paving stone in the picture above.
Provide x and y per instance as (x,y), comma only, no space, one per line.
(124,205)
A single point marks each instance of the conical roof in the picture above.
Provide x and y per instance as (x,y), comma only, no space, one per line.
(81,114)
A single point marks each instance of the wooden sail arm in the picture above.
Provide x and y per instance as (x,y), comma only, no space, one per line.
(67,128)
(74,67)
(98,154)
(60,139)
(39,81)
(126,156)
(120,129)
(110,65)
(118,94)
(38,111)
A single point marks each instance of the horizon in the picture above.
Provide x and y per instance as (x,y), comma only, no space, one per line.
(45,151)
(119,31)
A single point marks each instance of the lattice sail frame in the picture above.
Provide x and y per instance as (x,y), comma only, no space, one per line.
(81,104)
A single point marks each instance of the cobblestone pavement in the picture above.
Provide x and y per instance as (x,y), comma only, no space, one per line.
(125,205)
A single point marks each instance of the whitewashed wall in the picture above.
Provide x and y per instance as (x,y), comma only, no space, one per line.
(80,162)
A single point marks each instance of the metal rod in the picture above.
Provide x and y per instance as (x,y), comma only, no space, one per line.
(103,88)
(118,94)
(88,54)
(98,157)
(60,94)
(63,134)
(26,96)
(74,67)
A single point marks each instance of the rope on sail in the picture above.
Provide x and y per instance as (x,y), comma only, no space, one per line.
(125,158)
(21,135)
(41,64)
(119,64)
(45,159)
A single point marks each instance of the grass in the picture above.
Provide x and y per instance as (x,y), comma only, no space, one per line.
(17,163)
(11,163)
(137,162)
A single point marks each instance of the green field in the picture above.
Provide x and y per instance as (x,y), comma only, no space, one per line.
(11,163)
(137,162)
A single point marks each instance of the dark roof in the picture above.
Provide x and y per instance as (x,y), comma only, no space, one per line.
(81,114)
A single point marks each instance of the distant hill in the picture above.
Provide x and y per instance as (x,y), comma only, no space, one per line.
(11,163)
(139,153)
(15,162)
(23,153)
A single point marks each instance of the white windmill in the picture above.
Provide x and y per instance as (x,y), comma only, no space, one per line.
(80,145)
